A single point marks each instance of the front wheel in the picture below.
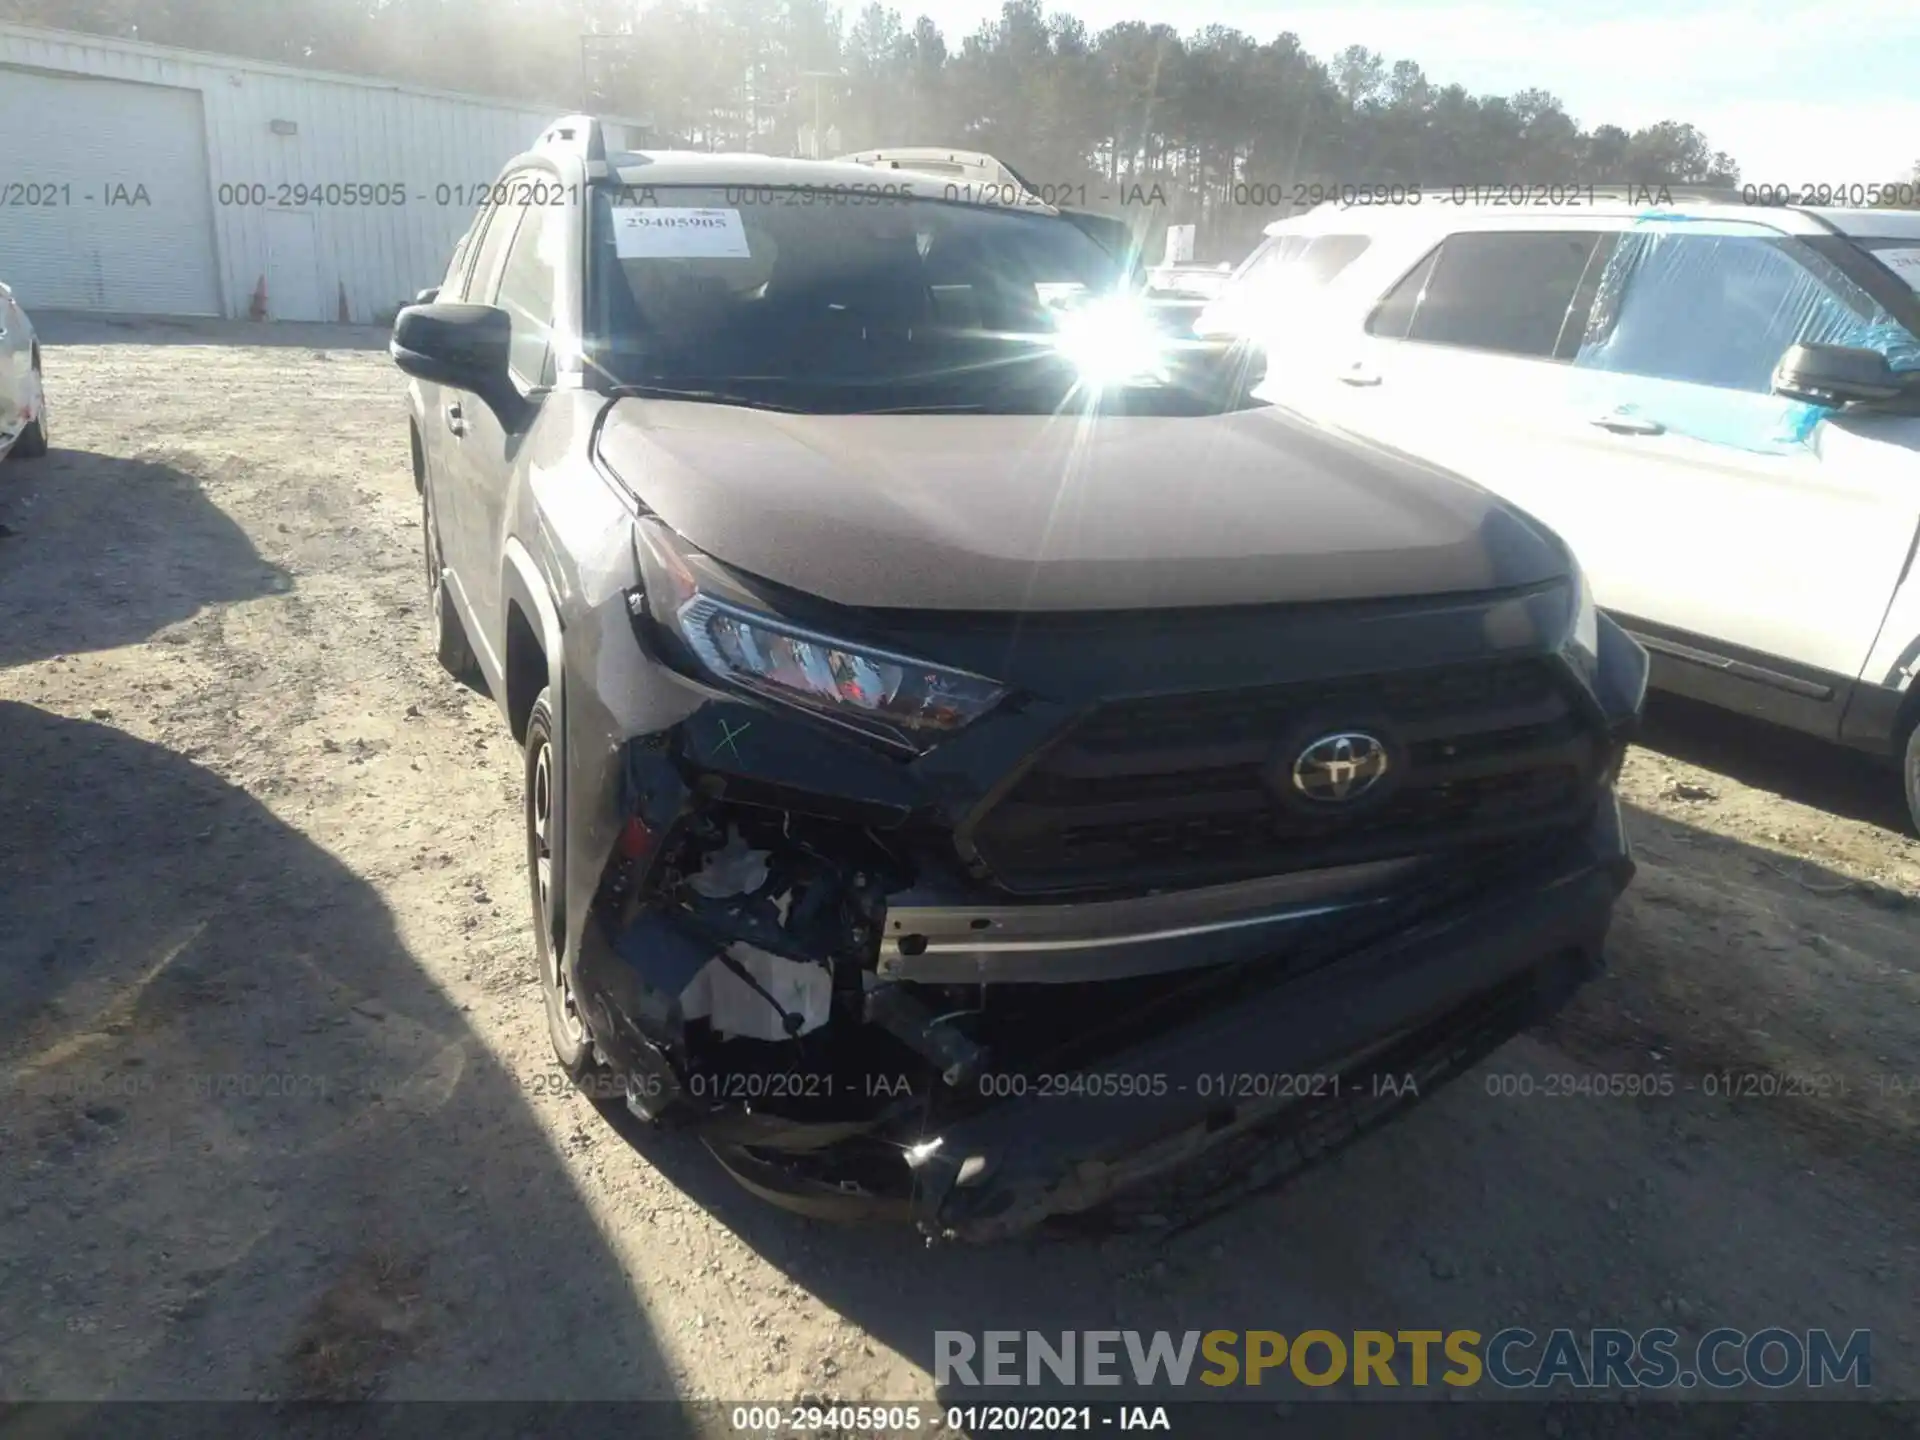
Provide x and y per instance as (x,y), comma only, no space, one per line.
(546,878)
(31,442)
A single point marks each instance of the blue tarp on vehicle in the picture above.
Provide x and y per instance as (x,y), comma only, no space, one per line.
(1690,318)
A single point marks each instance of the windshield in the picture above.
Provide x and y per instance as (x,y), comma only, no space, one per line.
(817,301)
(1900,254)
(1201,284)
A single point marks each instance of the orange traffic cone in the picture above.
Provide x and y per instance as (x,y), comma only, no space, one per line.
(258,309)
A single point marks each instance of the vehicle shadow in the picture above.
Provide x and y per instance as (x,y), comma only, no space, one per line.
(1495,1201)
(157,549)
(72,327)
(247,1147)
(1816,773)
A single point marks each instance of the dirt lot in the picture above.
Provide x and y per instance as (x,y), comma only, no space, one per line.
(252,831)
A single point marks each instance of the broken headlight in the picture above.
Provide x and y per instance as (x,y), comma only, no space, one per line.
(909,703)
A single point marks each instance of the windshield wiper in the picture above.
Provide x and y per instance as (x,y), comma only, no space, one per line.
(720,391)
(644,391)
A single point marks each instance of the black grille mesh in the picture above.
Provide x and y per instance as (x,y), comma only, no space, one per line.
(1175,789)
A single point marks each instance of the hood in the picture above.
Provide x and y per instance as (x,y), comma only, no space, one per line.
(1022,512)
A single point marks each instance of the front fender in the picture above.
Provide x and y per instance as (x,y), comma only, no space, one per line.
(416,406)
(603,690)
(522,584)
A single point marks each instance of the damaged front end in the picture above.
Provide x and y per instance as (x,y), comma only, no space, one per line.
(1077,945)
(728,967)
(751,977)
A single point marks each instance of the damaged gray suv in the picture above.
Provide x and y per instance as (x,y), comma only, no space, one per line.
(977,758)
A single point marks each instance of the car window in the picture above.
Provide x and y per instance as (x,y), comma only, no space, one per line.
(453,286)
(906,302)
(526,293)
(1900,254)
(494,239)
(1200,284)
(1720,309)
(1394,314)
(1509,292)
(1278,274)
(1325,256)
(1299,259)
(1573,331)
(450,283)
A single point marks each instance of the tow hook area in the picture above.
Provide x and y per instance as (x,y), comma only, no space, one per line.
(728,971)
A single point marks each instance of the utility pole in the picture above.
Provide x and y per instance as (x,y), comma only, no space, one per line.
(819,131)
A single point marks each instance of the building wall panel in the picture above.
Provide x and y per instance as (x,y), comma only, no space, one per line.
(346,131)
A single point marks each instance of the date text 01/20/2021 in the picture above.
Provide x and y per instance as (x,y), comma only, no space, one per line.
(843,1420)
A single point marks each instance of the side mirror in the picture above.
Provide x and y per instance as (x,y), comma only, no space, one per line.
(427,296)
(1835,375)
(460,346)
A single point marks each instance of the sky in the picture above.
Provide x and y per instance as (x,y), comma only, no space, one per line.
(1799,92)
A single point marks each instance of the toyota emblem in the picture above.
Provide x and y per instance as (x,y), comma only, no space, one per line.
(1338,768)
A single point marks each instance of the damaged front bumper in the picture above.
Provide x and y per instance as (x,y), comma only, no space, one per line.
(1470,976)
(944,991)
(1336,973)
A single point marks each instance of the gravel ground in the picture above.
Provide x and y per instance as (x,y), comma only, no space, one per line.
(279,1119)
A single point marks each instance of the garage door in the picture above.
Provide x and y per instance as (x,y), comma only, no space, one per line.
(104,203)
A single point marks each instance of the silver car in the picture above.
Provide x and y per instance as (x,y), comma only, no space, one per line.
(23,398)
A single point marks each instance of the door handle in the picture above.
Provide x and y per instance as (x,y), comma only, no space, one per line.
(456,421)
(1629,424)
(1359,373)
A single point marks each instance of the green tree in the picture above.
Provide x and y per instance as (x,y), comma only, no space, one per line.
(1220,121)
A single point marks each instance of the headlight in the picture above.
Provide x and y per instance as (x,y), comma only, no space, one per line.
(1584,639)
(905,702)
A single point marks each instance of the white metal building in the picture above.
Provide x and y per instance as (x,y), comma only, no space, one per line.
(145,180)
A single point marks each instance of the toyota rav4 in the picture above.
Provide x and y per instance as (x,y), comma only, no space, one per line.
(976,760)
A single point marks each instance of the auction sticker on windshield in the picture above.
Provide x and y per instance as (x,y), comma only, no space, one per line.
(1904,263)
(668,233)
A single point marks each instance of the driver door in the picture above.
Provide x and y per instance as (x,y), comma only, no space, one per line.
(464,427)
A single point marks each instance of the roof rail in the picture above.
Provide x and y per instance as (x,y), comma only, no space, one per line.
(975,166)
(581,134)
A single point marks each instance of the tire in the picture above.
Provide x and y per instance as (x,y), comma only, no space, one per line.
(1910,770)
(546,884)
(31,443)
(451,646)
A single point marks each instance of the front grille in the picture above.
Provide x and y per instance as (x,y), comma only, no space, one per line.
(1176,789)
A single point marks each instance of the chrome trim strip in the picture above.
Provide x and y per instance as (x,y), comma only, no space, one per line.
(1741,669)
(947,944)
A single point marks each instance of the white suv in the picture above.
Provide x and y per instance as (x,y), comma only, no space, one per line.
(23,395)
(1717,405)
